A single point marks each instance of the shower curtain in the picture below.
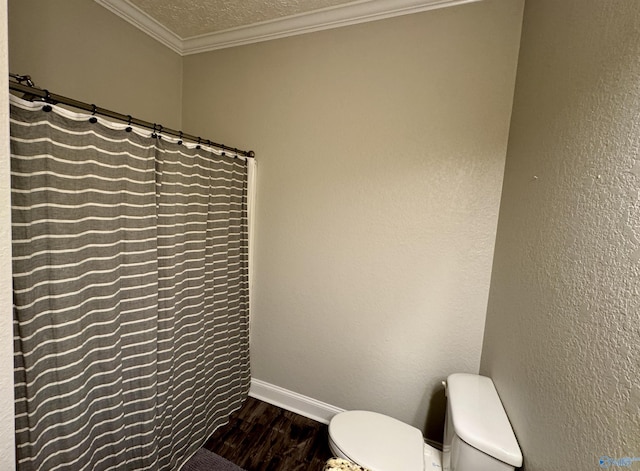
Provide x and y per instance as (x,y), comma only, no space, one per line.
(130,265)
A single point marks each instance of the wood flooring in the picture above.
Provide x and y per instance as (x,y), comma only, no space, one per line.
(263,437)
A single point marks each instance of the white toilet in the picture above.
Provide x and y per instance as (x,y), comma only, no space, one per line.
(477,437)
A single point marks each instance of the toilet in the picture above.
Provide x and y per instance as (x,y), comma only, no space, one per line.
(477,437)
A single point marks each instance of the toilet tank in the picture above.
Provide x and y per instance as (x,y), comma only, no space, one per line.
(478,435)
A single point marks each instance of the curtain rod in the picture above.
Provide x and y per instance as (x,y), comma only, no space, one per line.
(53,99)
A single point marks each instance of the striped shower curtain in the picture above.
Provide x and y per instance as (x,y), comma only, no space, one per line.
(130,265)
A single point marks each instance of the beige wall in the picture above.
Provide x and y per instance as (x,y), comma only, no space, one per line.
(563,325)
(381,148)
(7,458)
(381,151)
(79,49)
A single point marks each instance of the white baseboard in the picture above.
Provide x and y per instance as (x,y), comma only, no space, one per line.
(292,401)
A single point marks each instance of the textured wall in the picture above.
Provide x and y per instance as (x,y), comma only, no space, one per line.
(562,339)
(7,459)
(79,49)
(381,152)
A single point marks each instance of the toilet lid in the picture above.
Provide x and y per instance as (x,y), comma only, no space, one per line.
(377,442)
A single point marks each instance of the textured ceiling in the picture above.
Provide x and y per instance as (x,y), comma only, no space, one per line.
(188,18)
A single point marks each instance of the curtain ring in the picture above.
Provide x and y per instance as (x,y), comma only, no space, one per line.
(129,128)
(47,98)
(93,118)
(198,146)
(180,139)
(159,131)
(153,134)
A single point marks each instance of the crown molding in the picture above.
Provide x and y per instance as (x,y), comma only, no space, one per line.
(141,20)
(334,17)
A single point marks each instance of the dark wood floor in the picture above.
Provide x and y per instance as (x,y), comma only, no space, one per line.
(262,437)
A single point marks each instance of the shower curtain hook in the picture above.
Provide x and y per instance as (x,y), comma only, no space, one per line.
(129,128)
(47,97)
(198,146)
(159,131)
(93,118)
(153,134)
(180,139)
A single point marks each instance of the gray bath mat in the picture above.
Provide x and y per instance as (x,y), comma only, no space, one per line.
(205,460)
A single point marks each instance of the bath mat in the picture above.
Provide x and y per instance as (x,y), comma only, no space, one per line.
(205,460)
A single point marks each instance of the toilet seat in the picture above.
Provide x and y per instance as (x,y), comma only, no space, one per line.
(376,441)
